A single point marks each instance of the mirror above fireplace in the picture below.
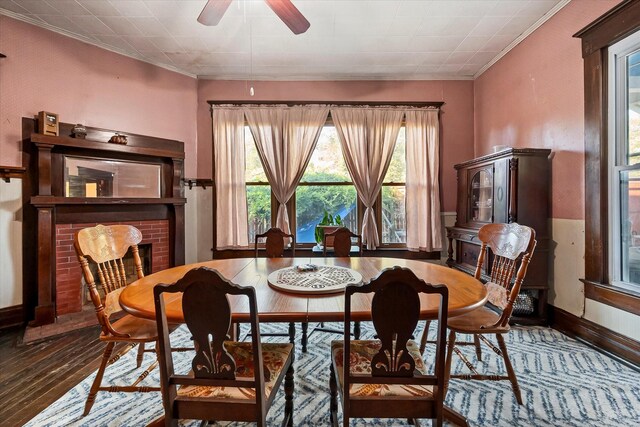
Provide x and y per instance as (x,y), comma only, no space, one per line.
(95,177)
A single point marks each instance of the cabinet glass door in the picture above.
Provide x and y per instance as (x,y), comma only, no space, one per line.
(481,195)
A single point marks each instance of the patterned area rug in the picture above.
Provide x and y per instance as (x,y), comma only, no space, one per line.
(563,382)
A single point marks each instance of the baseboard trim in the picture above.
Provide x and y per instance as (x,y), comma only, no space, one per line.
(11,316)
(600,337)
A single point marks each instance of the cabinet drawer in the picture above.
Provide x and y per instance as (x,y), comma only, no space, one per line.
(468,253)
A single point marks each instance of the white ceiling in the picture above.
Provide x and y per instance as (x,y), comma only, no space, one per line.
(347,40)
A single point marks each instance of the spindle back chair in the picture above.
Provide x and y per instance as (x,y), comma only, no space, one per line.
(512,246)
(105,247)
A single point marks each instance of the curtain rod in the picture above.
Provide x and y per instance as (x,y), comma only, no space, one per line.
(332,103)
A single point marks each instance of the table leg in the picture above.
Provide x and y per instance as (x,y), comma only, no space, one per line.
(305,326)
(292,333)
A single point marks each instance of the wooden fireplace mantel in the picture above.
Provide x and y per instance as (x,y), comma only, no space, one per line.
(45,204)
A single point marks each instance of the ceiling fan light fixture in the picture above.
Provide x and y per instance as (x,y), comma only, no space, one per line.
(213,12)
(289,14)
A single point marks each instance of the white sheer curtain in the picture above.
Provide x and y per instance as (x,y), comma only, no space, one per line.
(229,168)
(423,188)
(368,137)
(285,138)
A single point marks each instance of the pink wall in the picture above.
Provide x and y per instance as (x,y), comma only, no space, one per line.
(456,118)
(534,97)
(85,84)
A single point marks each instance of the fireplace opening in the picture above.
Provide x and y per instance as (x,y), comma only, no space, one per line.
(144,251)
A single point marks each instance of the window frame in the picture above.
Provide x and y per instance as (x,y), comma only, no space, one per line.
(597,37)
(393,252)
(617,146)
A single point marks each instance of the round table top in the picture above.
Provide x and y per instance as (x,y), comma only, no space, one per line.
(465,292)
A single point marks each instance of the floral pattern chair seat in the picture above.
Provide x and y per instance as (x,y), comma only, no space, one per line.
(362,351)
(274,356)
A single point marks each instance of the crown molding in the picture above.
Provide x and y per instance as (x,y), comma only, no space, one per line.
(523,36)
(90,41)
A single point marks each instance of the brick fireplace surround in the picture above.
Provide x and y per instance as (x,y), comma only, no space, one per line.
(69,274)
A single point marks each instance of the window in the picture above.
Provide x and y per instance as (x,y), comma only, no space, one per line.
(326,185)
(258,190)
(394,225)
(624,162)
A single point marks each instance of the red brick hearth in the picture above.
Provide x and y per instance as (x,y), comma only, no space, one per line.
(69,297)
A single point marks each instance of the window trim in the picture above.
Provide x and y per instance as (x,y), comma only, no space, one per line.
(615,25)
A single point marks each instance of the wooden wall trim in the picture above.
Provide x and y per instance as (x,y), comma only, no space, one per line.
(610,28)
(620,298)
(11,316)
(597,335)
(596,167)
(8,172)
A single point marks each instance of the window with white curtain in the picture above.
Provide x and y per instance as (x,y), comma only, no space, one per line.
(326,185)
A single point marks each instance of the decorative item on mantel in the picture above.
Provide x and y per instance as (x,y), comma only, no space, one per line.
(48,123)
(118,138)
(79,131)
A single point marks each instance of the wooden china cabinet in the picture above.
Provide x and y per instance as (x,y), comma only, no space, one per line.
(511,185)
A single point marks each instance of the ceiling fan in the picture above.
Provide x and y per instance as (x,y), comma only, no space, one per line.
(290,15)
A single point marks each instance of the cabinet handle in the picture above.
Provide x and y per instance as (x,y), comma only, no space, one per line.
(500,193)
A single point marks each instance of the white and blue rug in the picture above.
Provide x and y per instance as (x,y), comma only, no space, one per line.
(563,382)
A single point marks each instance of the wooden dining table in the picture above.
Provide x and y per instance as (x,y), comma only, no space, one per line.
(465,292)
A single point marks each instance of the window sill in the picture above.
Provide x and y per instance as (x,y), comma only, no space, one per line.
(307,252)
(622,298)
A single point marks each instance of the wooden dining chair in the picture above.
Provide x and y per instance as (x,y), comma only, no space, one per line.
(275,241)
(386,377)
(229,380)
(341,241)
(104,247)
(512,246)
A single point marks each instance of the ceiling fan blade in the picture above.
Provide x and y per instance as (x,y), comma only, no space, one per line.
(290,15)
(213,12)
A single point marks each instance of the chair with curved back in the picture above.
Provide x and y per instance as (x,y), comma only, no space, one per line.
(386,377)
(512,246)
(229,380)
(341,241)
(105,246)
(275,242)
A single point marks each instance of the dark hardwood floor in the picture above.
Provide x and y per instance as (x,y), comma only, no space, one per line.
(34,376)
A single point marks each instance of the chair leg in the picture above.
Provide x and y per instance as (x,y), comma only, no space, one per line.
(447,366)
(356,330)
(140,354)
(425,333)
(98,380)
(305,327)
(510,371)
(476,343)
(333,402)
(288,396)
